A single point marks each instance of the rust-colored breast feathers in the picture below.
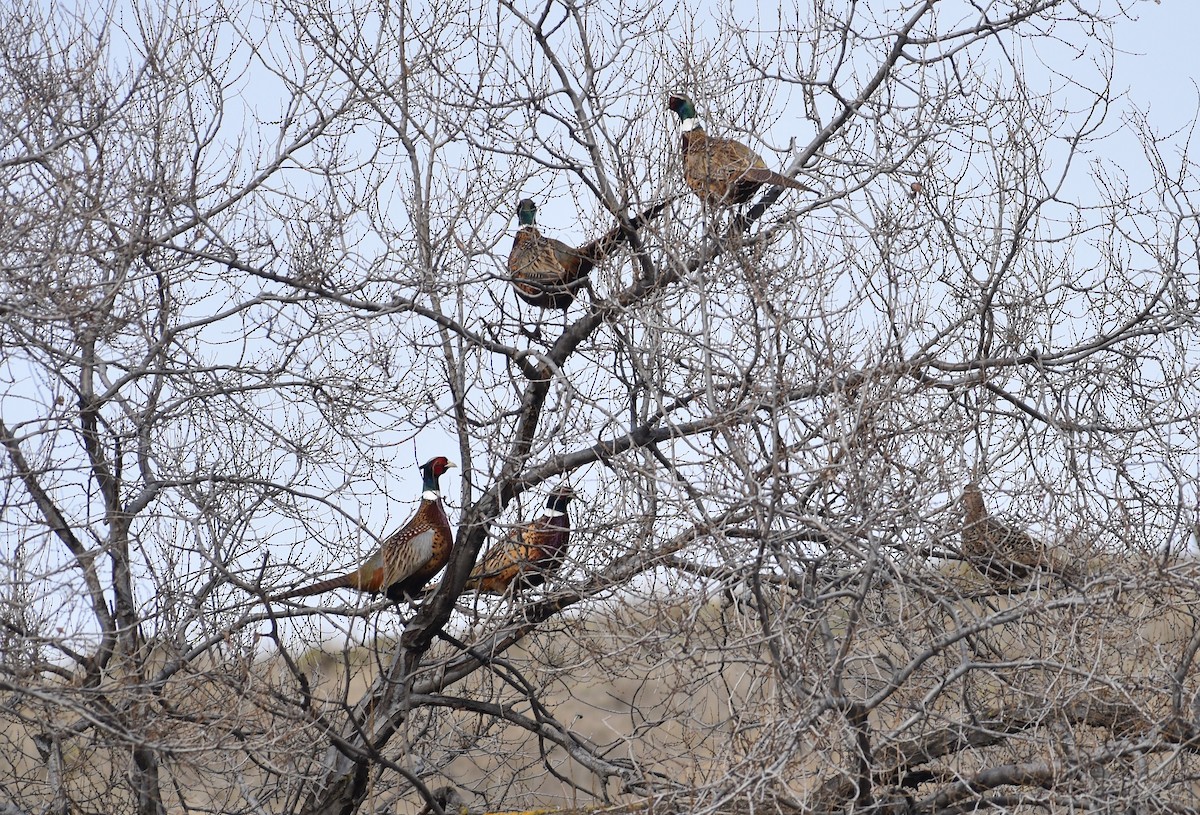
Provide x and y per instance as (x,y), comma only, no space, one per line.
(418,551)
(526,557)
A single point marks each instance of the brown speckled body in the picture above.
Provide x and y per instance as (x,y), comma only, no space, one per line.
(548,273)
(409,557)
(545,272)
(722,172)
(999,551)
(528,555)
(432,516)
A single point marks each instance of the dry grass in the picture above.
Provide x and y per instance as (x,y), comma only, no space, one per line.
(1075,680)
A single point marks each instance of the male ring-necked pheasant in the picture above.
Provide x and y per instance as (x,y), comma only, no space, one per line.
(409,557)
(721,171)
(999,551)
(548,273)
(529,554)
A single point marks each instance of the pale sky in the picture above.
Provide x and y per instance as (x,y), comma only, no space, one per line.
(1161,63)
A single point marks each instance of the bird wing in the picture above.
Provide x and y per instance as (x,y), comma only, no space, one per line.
(406,551)
(1006,553)
(545,271)
(599,248)
(527,554)
(504,553)
(741,164)
(731,159)
(1019,547)
(716,169)
(728,169)
(573,263)
(501,556)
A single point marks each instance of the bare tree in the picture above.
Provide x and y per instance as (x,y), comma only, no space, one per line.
(254,269)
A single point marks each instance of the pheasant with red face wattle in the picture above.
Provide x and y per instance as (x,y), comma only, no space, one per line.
(410,556)
(528,554)
(548,273)
(721,171)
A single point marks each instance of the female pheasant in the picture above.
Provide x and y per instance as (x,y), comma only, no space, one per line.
(528,555)
(548,273)
(721,171)
(998,551)
(410,556)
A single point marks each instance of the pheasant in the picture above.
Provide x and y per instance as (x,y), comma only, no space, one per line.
(721,171)
(409,557)
(528,555)
(998,551)
(546,272)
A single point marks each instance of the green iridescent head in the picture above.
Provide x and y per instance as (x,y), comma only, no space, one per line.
(683,106)
(527,212)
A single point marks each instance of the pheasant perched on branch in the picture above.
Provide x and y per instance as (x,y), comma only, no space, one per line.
(721,171)
(546,272)
(998,551)
(529,554)
(409,557)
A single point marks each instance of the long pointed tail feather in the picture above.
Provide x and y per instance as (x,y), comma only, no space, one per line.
(596,250)
(346,581)
(776,179)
